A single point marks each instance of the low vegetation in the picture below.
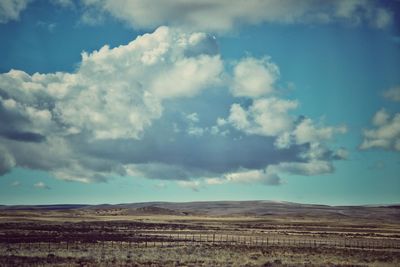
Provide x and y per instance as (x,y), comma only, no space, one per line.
(85,238)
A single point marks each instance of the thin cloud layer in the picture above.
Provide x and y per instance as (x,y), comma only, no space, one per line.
(226,15)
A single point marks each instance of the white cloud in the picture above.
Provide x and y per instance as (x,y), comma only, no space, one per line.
(385,135)
(196,131)
(313,167)
(7,161)
(342,153)
(89,125)
(192,117)
(382,19)
(214,181)
(225,15)
(380,118)
(192,129)
(393,94)
(266,116)
(193,185)
(238,117)
(271,174)
(133,80)
(32,119)
(253,176)
(254,77)
(284,140)
(10,9)
(64,3)
(47,25)
(118,92)
(41,185)
(58,156)
(307,132)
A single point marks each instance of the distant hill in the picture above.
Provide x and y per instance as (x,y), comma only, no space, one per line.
(224,208)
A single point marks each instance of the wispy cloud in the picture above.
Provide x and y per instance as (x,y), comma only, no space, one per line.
(393,94)
(41,185)
(193,185)
(15,183)
(11,9)
(50,26)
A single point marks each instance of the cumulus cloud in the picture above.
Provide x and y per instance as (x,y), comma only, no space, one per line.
(385,134)
(393,94)
(115,93)
(271,117)
(254,77)
(307,132)
(265,116)
(226,15)
(143,109)
(10,9)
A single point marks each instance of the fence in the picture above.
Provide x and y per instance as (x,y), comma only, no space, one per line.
(179,239)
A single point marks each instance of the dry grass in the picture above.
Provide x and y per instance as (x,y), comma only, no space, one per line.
(89,240)
(196,255)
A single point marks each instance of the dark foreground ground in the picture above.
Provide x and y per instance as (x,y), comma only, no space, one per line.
(157,236)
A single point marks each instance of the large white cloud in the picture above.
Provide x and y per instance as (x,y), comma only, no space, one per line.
(104,118)
(385,134)
(117,93)
(10,9)
(225,15)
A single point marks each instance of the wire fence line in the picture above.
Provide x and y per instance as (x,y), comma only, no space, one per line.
(180,239)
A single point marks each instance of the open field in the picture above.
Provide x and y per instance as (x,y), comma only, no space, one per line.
(200,234)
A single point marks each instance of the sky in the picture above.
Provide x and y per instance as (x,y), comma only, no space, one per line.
(112,101)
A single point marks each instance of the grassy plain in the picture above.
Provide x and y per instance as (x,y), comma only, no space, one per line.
(87,237)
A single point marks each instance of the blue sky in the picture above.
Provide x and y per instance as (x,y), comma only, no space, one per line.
(115,101)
